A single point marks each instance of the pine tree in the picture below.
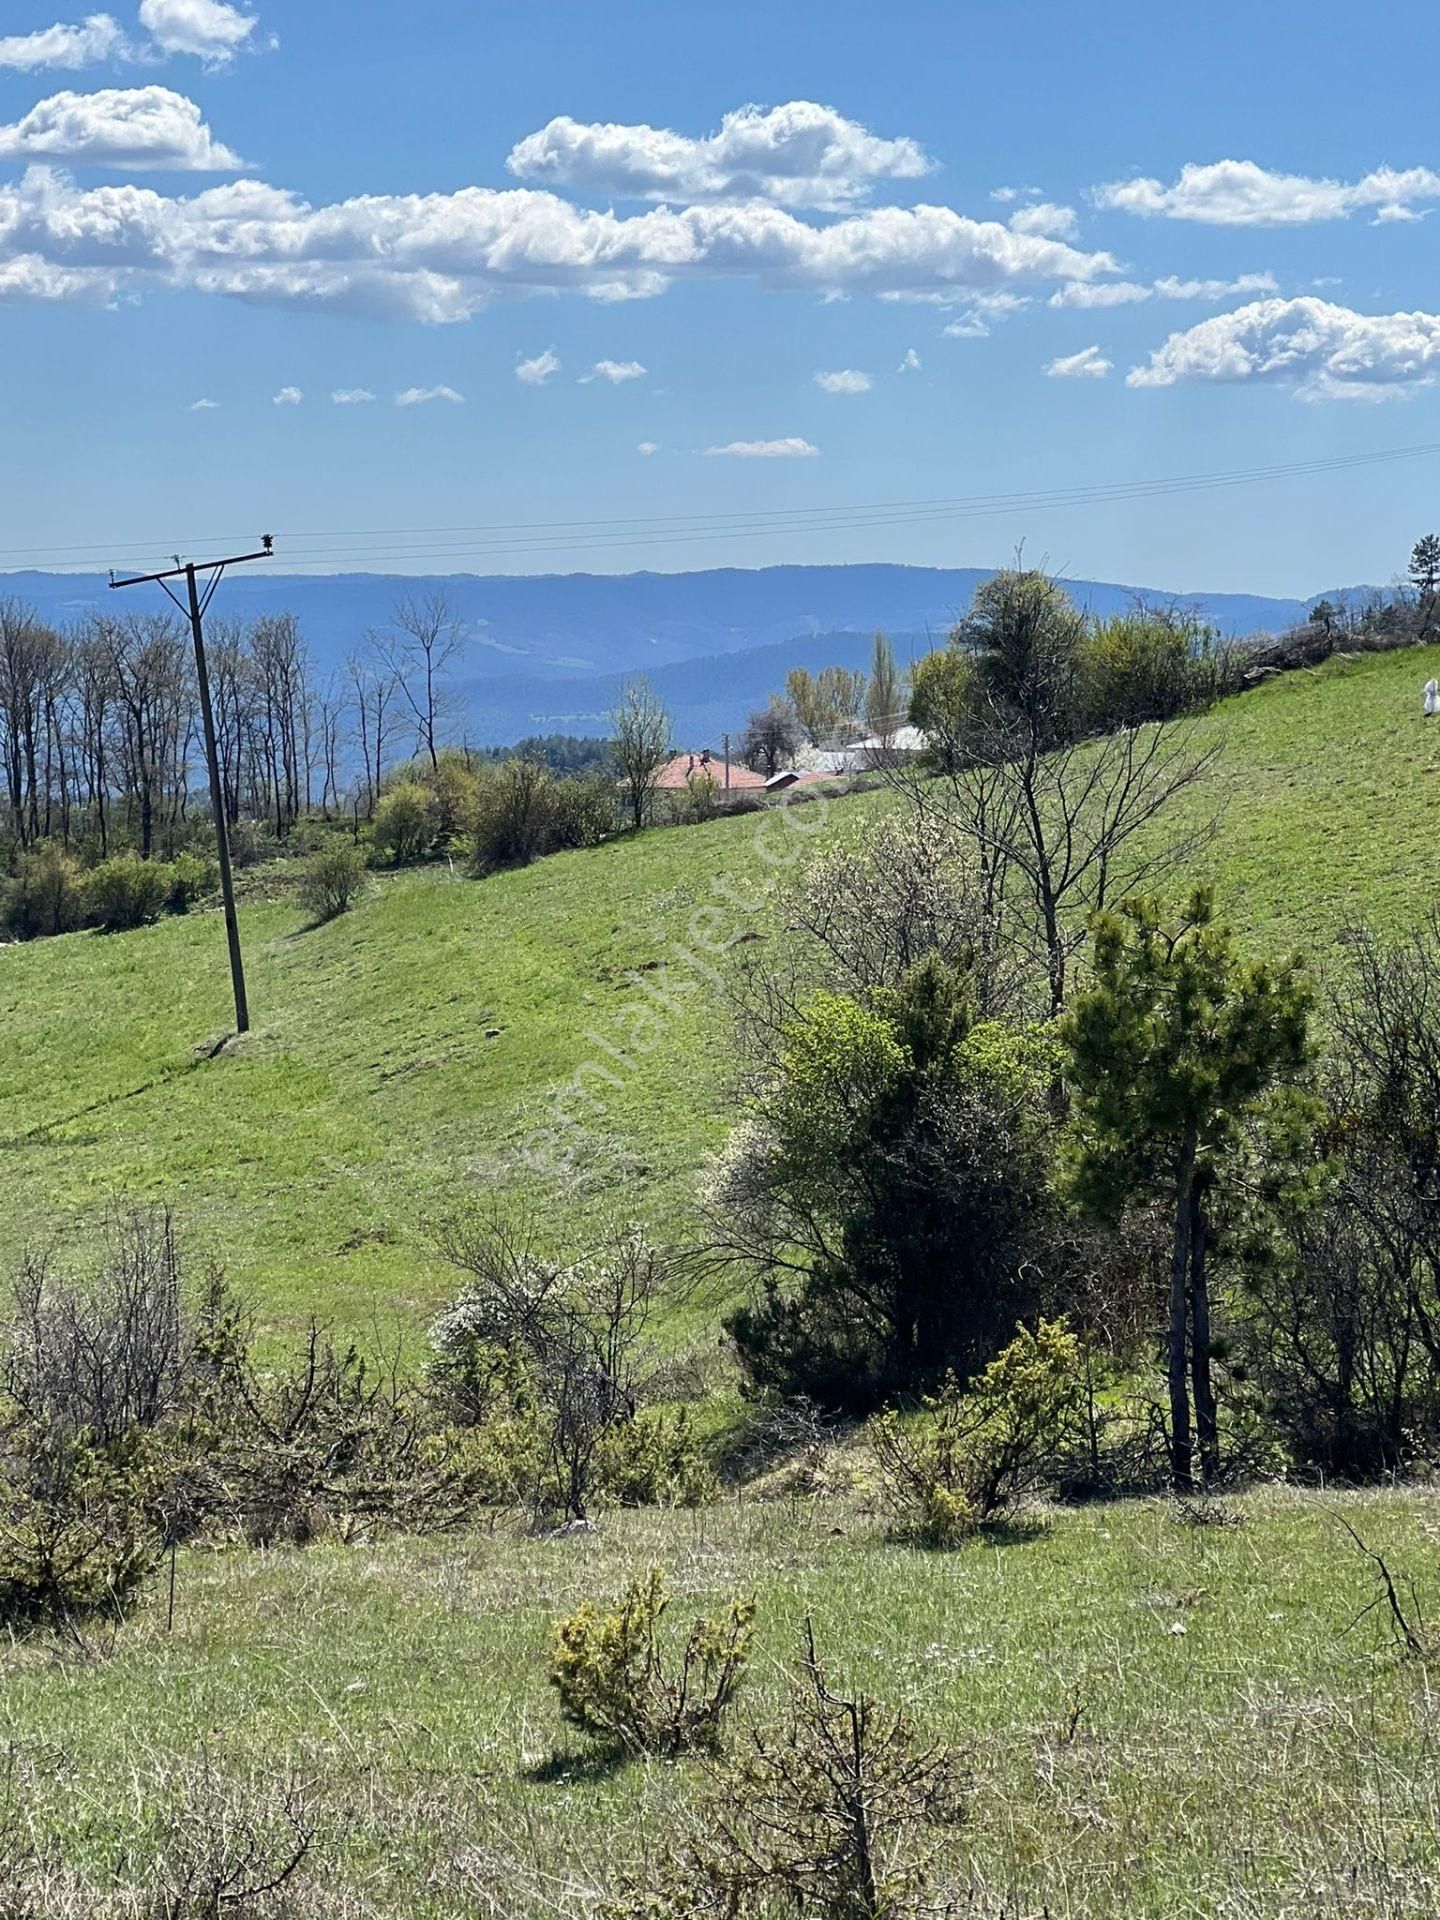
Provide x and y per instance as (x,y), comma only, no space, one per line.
(1425,578)
(1173,1048)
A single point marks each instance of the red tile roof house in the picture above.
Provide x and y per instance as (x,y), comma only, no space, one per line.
(737,778)
(685,767)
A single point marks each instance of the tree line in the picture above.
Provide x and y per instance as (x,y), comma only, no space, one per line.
(100,739)
(100,732)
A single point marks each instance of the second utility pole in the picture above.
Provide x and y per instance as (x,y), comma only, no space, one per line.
(194,606)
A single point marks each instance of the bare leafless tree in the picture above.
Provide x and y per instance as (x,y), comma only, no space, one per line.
(150,671)
(330,730)
(862,913)
(1062,811)
(29,653)
(375,694)
(429,638)
(106,1351)
(1071,826)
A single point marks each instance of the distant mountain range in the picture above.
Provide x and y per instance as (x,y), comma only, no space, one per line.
(547,653)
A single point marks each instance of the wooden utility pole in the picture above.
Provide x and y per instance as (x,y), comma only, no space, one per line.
(194,607)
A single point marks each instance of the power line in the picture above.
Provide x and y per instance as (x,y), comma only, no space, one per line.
(840,521)
(942,504)
(650,530)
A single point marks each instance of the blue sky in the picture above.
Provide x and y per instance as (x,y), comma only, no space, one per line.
(446,196)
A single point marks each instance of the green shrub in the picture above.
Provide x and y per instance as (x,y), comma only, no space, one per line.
(404,823)
(192,878)
(944,705)
(655,1460)
(893,1182)
(497,1462)
(617,1684)
(125,893)
(971,1457)
(331,880)
(306,836)
(583,811)
(326,1445)
(46,895)
(75,1541)
(454,788)
(523,812)
(514,815)
(1145,664)
(699,800)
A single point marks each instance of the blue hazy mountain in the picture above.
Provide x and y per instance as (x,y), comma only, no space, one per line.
(547,651)
(705,698)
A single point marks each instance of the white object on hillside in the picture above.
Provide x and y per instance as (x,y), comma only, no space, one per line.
(862,755)
(1432,697)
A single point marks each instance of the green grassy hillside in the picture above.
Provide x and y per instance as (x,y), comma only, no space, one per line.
(416,1046)
(1158,1719)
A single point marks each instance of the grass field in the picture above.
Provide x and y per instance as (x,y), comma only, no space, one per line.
(409,1052)
(1160,1719)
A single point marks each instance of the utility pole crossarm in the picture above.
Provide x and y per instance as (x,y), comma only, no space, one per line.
(194,606)
(178,572)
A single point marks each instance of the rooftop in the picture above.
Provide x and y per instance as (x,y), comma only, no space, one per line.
(688,766)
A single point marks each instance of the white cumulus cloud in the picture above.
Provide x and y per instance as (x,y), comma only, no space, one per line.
(1239,193)
(441,258)
(209,29)
(535,372)
(424,396)
(289,397)
(617,372)
(134,127)
(204,406)
(1322,350)
(797,155)
(911,362)
(791,449)
(1044,217)
(1170,288)
(27,280)
(983,312)
(844,380)
(1119,293)
(352,397)
(1099,293)
(647,447)
(97,38)
(1089,364)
